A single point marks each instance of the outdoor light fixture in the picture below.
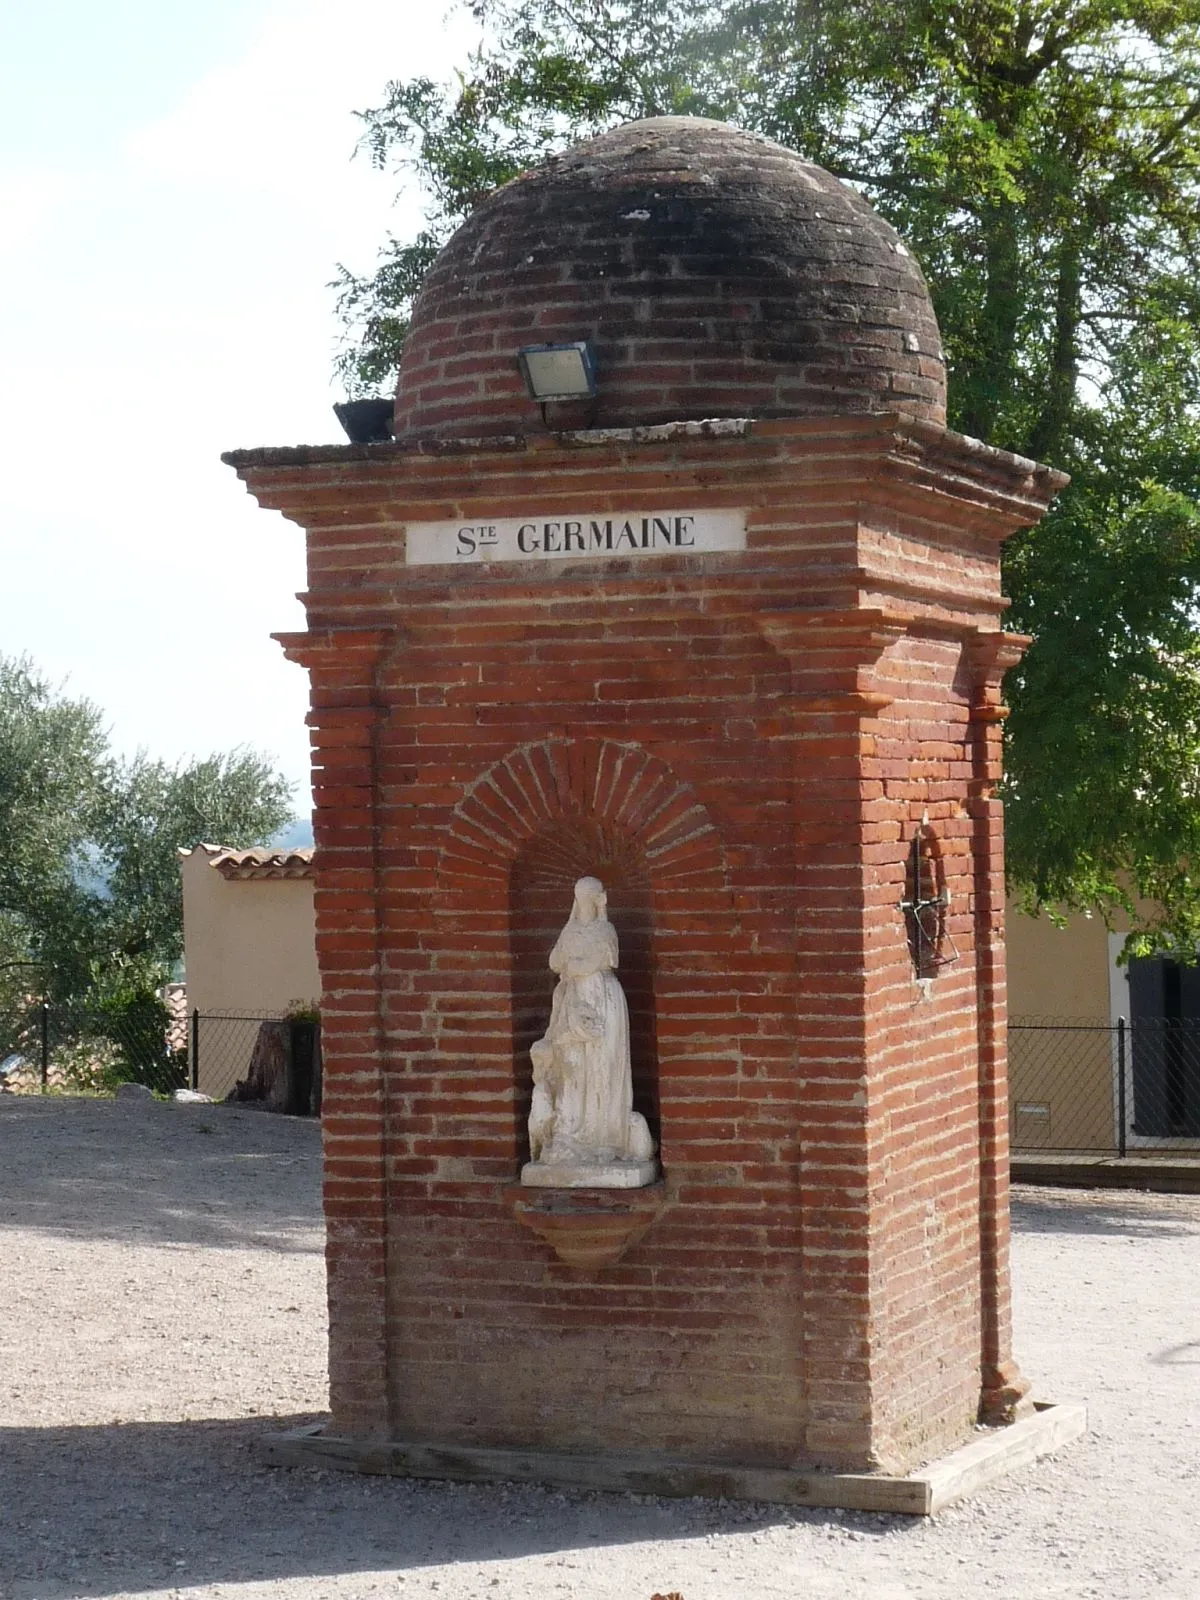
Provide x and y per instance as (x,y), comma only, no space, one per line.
(558,371)
(365,421)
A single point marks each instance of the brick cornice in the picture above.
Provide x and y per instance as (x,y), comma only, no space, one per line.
(881,456)
(1015,490)
(868,630)
(341,648)
(991,654)
(832,655)
(994,652)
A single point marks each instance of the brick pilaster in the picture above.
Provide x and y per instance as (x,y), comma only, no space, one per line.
(833,707)
(1002,1387)
(344,714)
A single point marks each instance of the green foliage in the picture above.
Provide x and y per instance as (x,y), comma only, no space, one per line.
(379,309)
(52,753)
(1104,754)
(149,811)
(83,1064)
(134,1021)
(303,1011)
(1042,158)
(90,902)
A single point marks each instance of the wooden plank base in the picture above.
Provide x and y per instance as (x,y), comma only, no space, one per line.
(992,1453)
(1158,1174)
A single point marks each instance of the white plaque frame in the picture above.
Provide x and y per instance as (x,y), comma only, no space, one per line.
(593,535)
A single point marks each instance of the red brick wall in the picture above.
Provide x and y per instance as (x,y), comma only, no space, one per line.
(740,746)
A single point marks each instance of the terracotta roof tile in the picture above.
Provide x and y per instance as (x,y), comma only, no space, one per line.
(260,862)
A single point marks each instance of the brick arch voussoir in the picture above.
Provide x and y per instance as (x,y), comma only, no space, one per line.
(622,785)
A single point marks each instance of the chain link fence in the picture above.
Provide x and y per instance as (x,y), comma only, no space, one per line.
(1113,1089)
(263,1057)
(256,1056)
(91,1050)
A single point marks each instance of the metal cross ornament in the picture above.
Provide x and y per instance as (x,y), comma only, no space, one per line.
(924,906)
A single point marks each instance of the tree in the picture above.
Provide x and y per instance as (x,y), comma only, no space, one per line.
(1042,157)
(149,812)
(52,752)
(90,900)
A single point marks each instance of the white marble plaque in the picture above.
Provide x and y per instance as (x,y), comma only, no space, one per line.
(586,533)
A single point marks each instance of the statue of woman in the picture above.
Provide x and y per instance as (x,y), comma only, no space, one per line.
(583,1130)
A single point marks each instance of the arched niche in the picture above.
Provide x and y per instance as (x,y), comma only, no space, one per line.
(541,883)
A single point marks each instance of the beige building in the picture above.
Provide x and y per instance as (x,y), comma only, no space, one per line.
(249,945)
(1103,1055)
(1064,973)
(249,953)
(1065,991)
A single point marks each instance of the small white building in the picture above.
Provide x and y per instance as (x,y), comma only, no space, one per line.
(249,945)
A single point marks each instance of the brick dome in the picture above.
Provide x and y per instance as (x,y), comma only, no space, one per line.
(715,273)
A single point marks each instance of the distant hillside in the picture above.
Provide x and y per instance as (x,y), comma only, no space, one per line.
(296,836)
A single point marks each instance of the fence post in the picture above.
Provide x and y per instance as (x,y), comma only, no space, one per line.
(195,1047)
(44,1039)
(1121,1086)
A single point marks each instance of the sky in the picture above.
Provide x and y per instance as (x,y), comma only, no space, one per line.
(177,186)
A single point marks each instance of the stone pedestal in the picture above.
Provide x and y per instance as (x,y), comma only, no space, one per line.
(588,1228)
(607,1175)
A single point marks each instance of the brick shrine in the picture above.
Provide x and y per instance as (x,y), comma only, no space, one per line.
(763,751)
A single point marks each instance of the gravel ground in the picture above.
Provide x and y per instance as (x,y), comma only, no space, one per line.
(164,1296)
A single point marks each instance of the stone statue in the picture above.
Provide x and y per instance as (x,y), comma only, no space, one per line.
(583,1130)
